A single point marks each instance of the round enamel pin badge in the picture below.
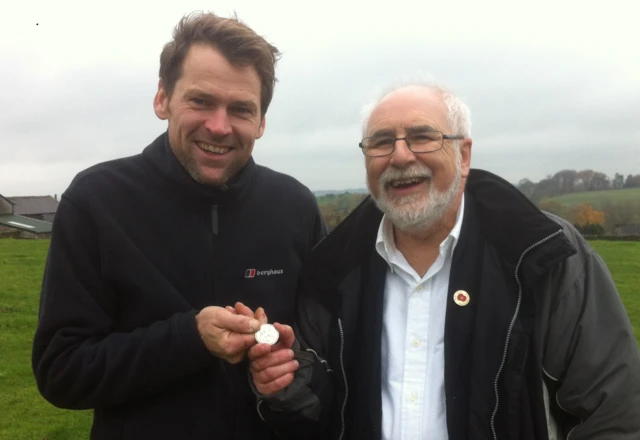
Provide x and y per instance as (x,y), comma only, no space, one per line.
(461,298)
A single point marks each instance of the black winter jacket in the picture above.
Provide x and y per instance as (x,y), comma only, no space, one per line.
(544,349)
(137,249)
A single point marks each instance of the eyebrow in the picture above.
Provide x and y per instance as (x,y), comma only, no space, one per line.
(409,130)
(209,97)
(383,133)
(248,103)
(419,129)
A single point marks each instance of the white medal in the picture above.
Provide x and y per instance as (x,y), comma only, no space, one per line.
(267,334)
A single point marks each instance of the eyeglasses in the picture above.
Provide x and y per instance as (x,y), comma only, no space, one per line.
(423,142)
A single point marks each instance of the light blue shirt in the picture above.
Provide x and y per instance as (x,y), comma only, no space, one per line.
(413,395)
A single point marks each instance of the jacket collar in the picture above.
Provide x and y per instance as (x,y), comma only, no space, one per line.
(172,175)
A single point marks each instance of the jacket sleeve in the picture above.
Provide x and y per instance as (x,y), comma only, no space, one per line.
(304,409)
(591,355)
(78,360)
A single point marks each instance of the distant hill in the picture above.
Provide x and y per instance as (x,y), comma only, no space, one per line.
(341,191)
(596,199)
(334,207)
(604,208)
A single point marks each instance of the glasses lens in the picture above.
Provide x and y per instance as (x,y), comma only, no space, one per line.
(425,142)
(377,145)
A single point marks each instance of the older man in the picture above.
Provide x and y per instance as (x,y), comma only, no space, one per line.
(147,250)
(451,307)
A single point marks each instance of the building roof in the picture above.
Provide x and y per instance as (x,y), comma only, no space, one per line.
(25,223)
(6,199)
(31,205)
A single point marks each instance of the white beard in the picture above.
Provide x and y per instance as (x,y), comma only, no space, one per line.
(420,210)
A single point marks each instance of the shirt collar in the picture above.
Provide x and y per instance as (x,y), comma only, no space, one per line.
(386,246)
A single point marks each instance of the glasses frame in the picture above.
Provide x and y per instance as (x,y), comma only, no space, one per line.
(406,141)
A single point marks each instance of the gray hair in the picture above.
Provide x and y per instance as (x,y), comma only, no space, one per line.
(459,116)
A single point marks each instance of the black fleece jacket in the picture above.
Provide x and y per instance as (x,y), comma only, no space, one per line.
(137,249)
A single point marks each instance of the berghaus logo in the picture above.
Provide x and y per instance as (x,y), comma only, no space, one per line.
(252,273)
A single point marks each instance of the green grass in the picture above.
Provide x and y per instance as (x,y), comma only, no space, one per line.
(623,260)
(25,415)
(597,198)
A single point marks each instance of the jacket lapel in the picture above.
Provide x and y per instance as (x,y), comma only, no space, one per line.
(376,283)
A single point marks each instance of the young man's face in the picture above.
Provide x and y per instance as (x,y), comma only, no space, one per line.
(213,114)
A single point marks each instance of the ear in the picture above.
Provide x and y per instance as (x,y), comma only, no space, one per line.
(263,122)
(465,153)
(161,103)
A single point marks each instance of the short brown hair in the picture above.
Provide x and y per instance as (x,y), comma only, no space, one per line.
(235,40)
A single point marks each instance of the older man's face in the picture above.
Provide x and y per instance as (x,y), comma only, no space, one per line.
(415,189)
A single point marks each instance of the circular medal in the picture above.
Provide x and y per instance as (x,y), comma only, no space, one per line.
(267,334)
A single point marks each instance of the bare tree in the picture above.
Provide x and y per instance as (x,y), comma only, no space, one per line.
(527,187)
(618,181)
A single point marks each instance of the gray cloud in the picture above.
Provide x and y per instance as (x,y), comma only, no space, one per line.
(533,113)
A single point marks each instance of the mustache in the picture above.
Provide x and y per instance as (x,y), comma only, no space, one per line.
(415,171)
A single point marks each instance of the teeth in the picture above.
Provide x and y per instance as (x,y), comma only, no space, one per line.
(397,183)
(212,148)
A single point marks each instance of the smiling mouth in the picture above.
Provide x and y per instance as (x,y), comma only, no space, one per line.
(213,149)
(406,183)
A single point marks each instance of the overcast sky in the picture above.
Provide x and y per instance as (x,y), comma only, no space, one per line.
(551,84)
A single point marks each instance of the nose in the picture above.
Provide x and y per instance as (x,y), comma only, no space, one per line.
(402,155)
(218,123)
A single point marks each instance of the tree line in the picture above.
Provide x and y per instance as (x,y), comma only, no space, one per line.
(335,207)
(572,181)
(601,218)
(604,218)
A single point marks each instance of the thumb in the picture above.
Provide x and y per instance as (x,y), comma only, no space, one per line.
(287,337)
(261,316)
(224,319)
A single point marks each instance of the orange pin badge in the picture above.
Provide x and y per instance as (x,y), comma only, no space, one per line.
(461,298)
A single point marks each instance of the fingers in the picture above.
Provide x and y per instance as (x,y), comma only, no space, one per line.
(258,351)
(229,332)
(241,309)
(261,315)
(237,343)
(271,370)
(270,374)
(225,334)
(275,364)
(232,347)
(271,359)
(286,338)
(274,386)
(224,319)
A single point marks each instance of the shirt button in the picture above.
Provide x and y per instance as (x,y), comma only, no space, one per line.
(420,288)
(416,342)
(413,397)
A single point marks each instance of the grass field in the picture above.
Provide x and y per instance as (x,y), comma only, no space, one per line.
(597,198)
(25,415)
(623,260)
